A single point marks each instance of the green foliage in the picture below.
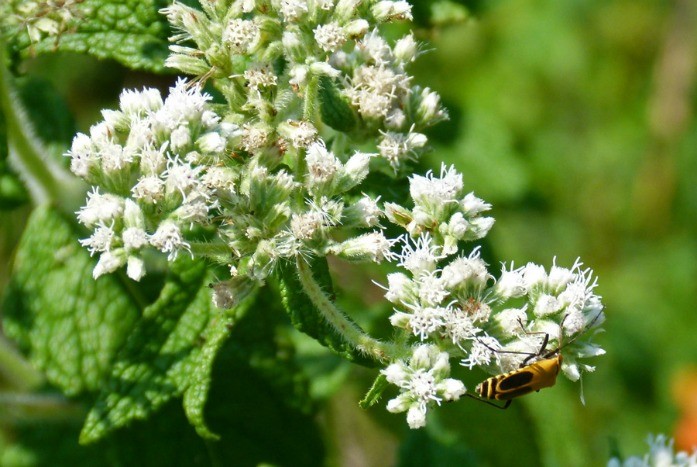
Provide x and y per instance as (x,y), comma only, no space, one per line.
(306,318)
(334,109)
(131,32)
(70,325)
(157,360)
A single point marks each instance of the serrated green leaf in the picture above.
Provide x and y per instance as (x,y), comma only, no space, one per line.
(70,325)
(158,357)
(199,375)
(375,392)
(334,108)
(131,32)
(306,318)
(259,401)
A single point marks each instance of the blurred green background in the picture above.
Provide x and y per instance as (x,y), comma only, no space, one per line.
(575,120)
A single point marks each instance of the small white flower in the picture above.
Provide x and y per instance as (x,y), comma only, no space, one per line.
(392,11)
(241,35)
(219,178)
(180,138)
(466,271)
(135,268)
(429,190)
(511,284)
(181,177)
(254,137)
(260,76)
(108,262)
(149,189)
(298,75)
(471,205)
(426,320)
(322,165)
(300,133)
(134,238)
(399,288)
(306,226)
(330,37)
(367,211)
(547,305)
(422,381)
(482,351)
(293,10)
(100,208)
(512,320)
(534,275)
(406,48)
(101,240)
(168,239)
(211,143)
(431,289)
(139,103)
(418,256)
(153,161)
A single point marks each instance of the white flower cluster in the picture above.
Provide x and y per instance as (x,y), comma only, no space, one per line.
(661,454)
(153,164)
(266,49)
(453,303)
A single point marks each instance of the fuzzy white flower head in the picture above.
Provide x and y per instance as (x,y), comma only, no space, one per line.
(511,284)
(482,351)
(534,275)
(431,190)
(423,381)
(241,35)
(293,10)
(420,255)
(169,239)
(260,76)
(100,208)
(406,49)
(330,37)
(149,189)
(400,288)
(399,147)
(300,133)
(322,165)
(661,454)
(306,226)
(140,103)
(392,11)
(470,270)
(181,177)
(184,104)
(108,262)
(101,239)
(431,289)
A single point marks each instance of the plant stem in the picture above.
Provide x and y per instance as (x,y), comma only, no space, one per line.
(46,180)
(17,371)
(348,330)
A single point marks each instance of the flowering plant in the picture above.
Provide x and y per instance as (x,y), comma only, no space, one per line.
(270,157)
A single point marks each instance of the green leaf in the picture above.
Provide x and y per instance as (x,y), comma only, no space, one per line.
(306,318)
(131,32)
(334,108)
(157,360)
(375,392)
(199,374)
(259,401)
(70,325)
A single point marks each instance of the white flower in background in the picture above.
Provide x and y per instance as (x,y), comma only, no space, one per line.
(661,454)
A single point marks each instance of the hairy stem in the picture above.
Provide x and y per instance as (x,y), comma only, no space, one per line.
(45,179)
(349,331)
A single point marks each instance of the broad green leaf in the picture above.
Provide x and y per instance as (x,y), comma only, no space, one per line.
(131,32)
(198,373)
(334,108)
(164,439)
(155,363)
(70,325)
(306,318)
(259,400)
